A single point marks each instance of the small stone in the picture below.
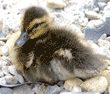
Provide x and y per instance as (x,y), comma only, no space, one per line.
(2,43)
(98,84)
(19,78)
(104,43)
(96,9)
(79,93)
(24,89)
(3,81)
(5,70)
(11,80)
(55,3)
(92,15)
(101,5)
(91,25)
(108,39)
(76,89)
(53,90)
(12,70)
(103,37)
(5,91)
(70,83)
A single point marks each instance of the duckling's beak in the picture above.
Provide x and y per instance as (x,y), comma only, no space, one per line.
(22,39)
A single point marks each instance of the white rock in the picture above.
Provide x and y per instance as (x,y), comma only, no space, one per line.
(89,4)
(98,23)
(93,24)
(98,84)
(3,81)
(96,9)
(108,39)
(3,63)
(24,89)
(103,1)
(85,20)
(104,51)
(76,89)
(105,43)
(55,3)
(11,80)
(101,5)
(70,83)
(5,70)
(79,93)
(103,36)
(5,51)
(92,15)
(13,71)
(19,78)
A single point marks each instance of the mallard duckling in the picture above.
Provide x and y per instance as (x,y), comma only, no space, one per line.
(37,52)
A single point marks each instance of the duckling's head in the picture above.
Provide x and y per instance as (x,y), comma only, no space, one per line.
(35,22)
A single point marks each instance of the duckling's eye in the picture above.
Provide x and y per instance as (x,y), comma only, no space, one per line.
(37,24)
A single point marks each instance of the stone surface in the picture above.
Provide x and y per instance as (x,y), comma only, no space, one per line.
(24,89)
(98,84)
(70,83)
(55,3)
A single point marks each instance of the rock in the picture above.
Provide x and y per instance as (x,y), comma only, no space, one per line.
(70,83)
(5,91)
(55,3)
(101,5)
(96,9)
(92,15)
(5,70)
(76,89)
(105,1)
(106,74)
(94,24)
(89,4)
(24,89)
(18,77)
(98,84)
(104,43)
(3,81)
(103,36)
(39,89)
(53,90)
(108,39)
(79,93)
(10,80)
(104,51)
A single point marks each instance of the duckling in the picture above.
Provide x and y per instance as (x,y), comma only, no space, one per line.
(39,53)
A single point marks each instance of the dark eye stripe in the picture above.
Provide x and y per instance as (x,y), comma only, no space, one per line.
(35,26)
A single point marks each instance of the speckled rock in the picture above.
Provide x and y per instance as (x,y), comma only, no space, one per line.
(10,79)
(5,91)
(70,83)
(24,89)
(92,15)
(98,84)
(55,3)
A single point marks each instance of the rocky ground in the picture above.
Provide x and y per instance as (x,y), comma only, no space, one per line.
(81,15)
